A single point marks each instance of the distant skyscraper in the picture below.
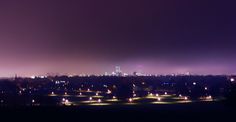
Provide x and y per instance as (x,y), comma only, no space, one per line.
(118,71)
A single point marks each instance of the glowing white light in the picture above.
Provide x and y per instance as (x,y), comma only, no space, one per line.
(97,94)
(32,77)
(180,95)
(99,100)
(209,97)
(113,73)
(134,95)
(150,94)
(185,98)
(205,88)
(159,99)
(80,93)
(232,79)
(114,97)
(126,74)
(66,101)
(130,100)
(90,98)
(63,99)
(108,91)
(157,95)
(33,101)
(65,93)
(52,93)
(165,93)
(88,90)
(194,83)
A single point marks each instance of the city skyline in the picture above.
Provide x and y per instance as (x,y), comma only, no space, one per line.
(117,71)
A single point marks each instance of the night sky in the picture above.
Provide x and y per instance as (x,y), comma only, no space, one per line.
(93,36)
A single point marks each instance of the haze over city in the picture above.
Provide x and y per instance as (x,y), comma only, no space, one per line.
(92,37)
(118,60)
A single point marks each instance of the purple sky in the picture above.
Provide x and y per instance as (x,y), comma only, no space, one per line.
(93,36)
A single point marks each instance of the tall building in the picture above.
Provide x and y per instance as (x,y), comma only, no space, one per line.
(118,71)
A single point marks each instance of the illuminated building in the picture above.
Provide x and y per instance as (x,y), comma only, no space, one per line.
(118,71)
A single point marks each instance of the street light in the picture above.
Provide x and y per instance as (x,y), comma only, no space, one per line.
(99,100)
(232,79)
(130,100)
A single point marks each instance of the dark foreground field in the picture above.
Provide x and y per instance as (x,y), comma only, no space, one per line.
(194,112)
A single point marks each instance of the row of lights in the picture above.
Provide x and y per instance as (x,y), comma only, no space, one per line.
(99,100)
(151,94)
(108,92)
(130,99)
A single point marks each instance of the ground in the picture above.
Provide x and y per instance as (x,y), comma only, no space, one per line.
(193,112)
